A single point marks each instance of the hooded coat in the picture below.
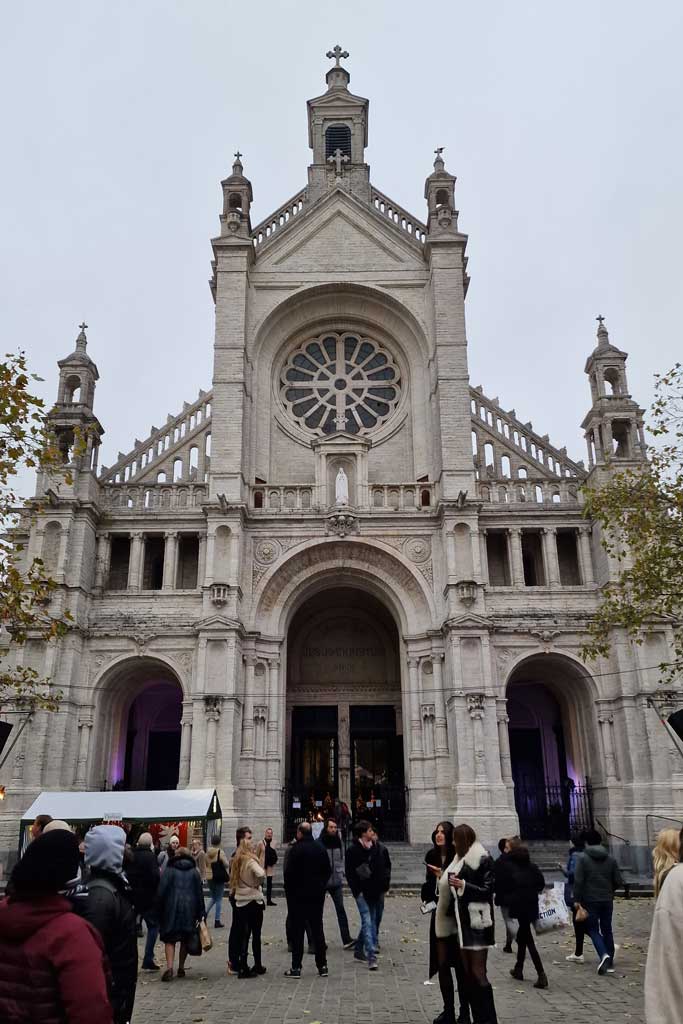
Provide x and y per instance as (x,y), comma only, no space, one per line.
(181,900)
(52,964)
(144,876)
(519,883)
(663,974)
(596,877)
(468,915)
(332,845)
(109,908)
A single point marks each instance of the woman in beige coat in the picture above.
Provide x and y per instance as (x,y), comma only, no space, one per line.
(663,974)
(246,879)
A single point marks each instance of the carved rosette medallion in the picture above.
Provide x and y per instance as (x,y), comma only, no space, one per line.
(418,549)
(266,551)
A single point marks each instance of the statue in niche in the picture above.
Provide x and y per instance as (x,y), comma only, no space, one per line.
(341,488)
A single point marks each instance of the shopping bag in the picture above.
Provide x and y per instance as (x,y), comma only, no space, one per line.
(205,937)
(553,912)
(193,943)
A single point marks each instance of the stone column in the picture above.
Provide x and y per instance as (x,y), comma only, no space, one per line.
(136,562)
(201,568)
(552,565)
(586,556)
(85,723)
(274,724)
(248,714)
(440,703)
(428,715)
(606,723)
(415,723)
(170,557)
(344,752)
(212,710)
(476,707)
(483,555)
(185,743)
(516,563)
(102,560)
(504,743)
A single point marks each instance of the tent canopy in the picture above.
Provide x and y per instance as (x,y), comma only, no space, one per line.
(161,805)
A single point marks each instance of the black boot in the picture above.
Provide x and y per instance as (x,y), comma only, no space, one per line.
(483,1006)
(464,1015)
(447,1016)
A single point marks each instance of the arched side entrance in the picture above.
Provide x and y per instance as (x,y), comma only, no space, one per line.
(138,713)
(552,749)
(344,718)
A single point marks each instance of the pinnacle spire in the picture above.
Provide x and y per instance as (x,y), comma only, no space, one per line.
(603,336)
(237,167)
(439,164)
(82,340)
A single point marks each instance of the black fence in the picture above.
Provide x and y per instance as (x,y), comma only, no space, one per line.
(387,812)
(555,811)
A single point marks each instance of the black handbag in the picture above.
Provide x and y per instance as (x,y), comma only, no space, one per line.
(194,943)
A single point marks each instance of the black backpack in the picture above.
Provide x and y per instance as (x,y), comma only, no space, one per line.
(218,872)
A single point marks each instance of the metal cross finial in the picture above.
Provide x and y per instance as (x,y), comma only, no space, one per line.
(237,155)
(439,150)
(337,54)
(338,159)
(600,318)
(83,326)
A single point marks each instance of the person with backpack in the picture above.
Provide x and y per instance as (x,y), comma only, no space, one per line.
(218,870)
(519,883)
(331,842)
(267,855)
(144,876)
(109,909)
(596,879)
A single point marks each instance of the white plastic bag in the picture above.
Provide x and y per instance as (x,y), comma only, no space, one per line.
(552,910)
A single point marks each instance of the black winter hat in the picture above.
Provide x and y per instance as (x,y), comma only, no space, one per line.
(49,863)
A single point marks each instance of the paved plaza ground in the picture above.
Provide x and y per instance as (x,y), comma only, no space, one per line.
(396,993)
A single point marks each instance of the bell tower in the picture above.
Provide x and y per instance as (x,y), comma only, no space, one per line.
(237,199)
(338,135)
(614,427)
(73,411)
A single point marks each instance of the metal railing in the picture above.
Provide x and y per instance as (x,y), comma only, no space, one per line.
(553,811)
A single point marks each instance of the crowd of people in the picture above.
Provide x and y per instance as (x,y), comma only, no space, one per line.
(74,910)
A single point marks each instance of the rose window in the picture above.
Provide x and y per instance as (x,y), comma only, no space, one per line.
(340,382)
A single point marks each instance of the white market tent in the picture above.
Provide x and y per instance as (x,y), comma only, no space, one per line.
(152,805)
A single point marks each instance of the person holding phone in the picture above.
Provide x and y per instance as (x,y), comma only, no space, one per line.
(436,860)
(463,921)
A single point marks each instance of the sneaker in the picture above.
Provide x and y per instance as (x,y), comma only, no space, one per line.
(507,948)
(167,975)
(359,956)
(150,967)
(351,944)
(323,972)
(604,965)
(294,972)
(219,925)
(372,965)
(575,958)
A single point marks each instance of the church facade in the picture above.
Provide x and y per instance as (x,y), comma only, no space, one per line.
(343,573)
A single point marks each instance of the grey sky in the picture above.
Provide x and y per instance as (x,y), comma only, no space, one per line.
(562,122)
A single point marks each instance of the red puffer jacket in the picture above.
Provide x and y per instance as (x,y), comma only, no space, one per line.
(52,966)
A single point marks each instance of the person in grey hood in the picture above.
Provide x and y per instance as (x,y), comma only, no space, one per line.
(109,909)
(331,842)
(596,879)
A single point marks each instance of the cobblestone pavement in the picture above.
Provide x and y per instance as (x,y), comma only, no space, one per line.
(396,993)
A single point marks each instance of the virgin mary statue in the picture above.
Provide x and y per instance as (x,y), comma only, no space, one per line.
(341,488)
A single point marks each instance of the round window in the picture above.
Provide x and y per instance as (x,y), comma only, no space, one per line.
(340,382)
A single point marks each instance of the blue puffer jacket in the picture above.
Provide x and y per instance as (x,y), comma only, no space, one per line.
(181,902)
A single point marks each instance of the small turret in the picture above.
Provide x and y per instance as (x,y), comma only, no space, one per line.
(237,200)
(442,215)
(73,410)
(614,427)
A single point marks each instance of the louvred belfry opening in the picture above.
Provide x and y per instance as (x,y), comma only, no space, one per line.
(338,136)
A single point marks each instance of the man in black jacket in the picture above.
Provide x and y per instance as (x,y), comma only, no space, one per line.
(306,874)
(143,875)
(366,875)
(109,908)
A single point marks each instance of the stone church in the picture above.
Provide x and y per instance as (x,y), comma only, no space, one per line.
(343,573)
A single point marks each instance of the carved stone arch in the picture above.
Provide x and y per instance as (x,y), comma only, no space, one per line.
(355,562)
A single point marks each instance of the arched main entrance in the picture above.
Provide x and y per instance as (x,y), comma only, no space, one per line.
(344,714)
(139,712)
(550,752)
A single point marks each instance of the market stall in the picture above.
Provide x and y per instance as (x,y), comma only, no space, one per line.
(162,812)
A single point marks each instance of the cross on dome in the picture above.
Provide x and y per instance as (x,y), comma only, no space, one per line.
(337,54)
(238,155)
(83,326)
(600,318)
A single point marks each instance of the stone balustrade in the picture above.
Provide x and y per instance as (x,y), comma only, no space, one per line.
(400,217)
(267,228)
(302,497)
(530,491)
(153,496)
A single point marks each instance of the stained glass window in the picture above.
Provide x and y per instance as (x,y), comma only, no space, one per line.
(340,382)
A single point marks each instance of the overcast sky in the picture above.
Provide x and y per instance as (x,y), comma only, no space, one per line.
(562,122)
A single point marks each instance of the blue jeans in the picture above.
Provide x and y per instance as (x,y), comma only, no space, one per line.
(599,928)
(152,923)
(216,893)
(366,943)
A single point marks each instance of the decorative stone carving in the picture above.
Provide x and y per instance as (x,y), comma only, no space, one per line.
(212,707)
(220,592)
(546,637)
(417,549)
(504,655)
(260,713)
(475,705)
(428,711)
(266,551)
(466,591)
(342,523)
(185,659)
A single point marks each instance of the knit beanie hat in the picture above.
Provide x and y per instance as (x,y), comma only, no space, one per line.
(49,863)
(145,840)
(55,825)
(104,847)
